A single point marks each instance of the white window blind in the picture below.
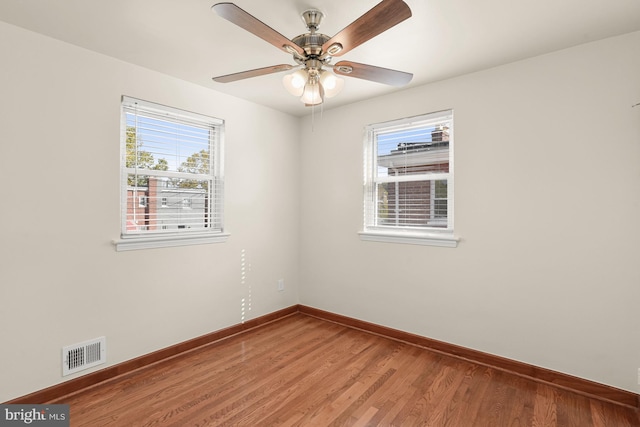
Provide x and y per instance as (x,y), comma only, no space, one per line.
(409,175)
(171,181)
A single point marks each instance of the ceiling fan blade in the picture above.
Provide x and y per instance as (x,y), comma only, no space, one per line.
(234,14)
(252,73)
(370,72)
(379,19)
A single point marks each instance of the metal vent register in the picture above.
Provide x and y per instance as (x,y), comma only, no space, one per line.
(84,355)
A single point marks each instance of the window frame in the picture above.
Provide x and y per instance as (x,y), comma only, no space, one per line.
(418,235)
(163,237)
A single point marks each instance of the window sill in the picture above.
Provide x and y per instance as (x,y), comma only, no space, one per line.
(444,239)
(152,242)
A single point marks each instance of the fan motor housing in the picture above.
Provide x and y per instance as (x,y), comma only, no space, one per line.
(311,43)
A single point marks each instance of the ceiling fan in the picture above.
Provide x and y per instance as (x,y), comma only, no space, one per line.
(314,51)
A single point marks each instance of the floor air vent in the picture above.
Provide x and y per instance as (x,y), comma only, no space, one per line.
(84,355)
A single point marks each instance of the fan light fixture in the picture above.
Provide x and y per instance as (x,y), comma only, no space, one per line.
(312,86)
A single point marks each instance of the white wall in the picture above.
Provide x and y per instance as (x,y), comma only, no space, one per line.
(547,204)
(61,280)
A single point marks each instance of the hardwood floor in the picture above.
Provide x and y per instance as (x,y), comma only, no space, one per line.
(302,371)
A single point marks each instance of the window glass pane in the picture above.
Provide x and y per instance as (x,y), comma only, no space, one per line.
(440,203)
(417,150)
(170,205)
(158,144)
(412,204)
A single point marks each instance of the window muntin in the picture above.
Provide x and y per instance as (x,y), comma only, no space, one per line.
(409,175)
(169,156)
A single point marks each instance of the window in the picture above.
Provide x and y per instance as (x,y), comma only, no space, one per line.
(171,177)
(408,195)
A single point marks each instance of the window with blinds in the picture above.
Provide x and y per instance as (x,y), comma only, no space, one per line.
(171,181)
(409,175)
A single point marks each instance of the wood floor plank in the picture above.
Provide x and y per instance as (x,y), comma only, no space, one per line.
(604,414)
(414,392)
(545,409)
(436,405)
(452,410)
(521,414)
(574,410)
(302,371)
(390,401)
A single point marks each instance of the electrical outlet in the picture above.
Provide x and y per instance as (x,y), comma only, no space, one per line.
(281,285)
(638,376)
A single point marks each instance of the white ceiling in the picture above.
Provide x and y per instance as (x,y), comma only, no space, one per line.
(443,38)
